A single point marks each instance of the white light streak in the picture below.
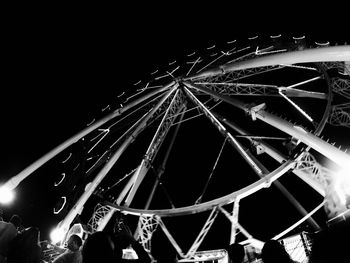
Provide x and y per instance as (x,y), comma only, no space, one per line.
(298,38)
(121,94)
(154,72)
(189,55)
(63,176)
(136,83)
(107,107)
(296,106)
(276,36)
(252,38)
(230,42)
(211,47)
(65,160)
(91,122)
(60,209)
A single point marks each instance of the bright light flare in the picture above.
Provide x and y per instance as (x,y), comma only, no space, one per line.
(6,195)
(57,235)
(342,185)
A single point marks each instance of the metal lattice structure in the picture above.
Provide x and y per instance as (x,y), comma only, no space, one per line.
(146,227)
(100,217)
(257,98)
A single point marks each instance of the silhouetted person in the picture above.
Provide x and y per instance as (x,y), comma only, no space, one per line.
(236,253)
(98,248)
(274,252)
(331,244)
(73,253)
(25,247)
(162,250)
(8,231)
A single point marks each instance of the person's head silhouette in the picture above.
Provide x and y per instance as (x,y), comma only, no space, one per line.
(236,253)
(16,220)
(273,251)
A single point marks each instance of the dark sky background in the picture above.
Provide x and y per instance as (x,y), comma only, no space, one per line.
(59,71)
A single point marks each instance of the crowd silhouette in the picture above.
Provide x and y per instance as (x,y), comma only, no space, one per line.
(273,251)
(332,244)
(73,252)
(8,233)
(235,253)
(22,245)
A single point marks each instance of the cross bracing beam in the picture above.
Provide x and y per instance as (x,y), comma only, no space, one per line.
(234,89)
(341,86)
(340,115)
(235,75)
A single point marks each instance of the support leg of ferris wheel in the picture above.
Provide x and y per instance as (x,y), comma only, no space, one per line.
(199,239)
(234,221)
(190,253)
(63,226)
(14,181)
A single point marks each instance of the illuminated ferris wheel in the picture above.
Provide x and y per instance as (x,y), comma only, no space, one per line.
(206,136)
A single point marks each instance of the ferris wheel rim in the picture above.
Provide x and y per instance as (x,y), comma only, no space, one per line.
(208,205)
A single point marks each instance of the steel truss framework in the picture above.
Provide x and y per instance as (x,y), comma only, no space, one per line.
(234,85)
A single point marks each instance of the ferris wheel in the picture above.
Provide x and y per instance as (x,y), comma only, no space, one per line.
(210,135)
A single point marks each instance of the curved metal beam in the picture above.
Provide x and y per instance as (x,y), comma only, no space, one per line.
(324,54)
(187,210)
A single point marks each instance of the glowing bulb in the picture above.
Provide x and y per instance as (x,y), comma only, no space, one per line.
(342,185)
(57,235)
(6,195)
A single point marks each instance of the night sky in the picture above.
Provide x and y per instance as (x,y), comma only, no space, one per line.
(59,73)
